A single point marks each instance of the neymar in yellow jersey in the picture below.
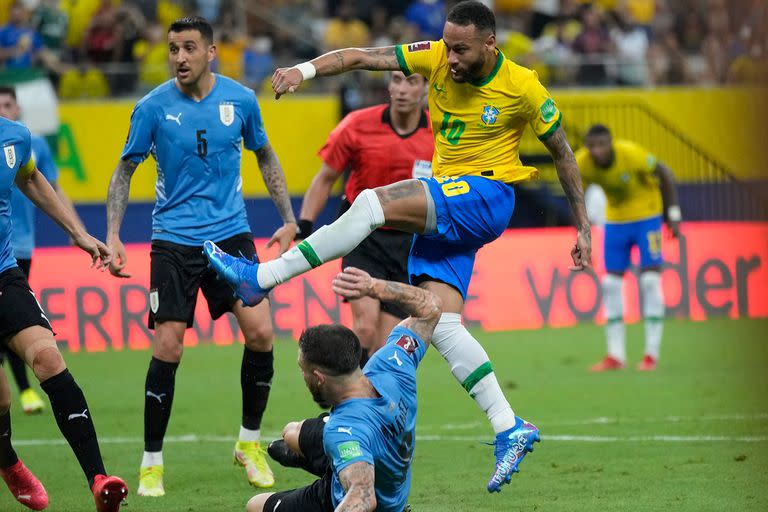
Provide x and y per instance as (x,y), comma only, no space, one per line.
(639,190)
(480,103)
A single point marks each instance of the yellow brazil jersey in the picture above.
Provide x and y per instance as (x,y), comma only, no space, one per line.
(477,126)
(630,183)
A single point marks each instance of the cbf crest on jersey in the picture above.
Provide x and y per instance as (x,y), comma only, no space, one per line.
(490,114)
(10,155)
(227,113)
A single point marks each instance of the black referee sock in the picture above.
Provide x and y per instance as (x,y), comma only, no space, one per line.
(19,370)
(158,399)
(256,374)
(7,456)
(74,419)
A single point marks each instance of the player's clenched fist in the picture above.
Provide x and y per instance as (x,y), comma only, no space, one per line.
(286,80)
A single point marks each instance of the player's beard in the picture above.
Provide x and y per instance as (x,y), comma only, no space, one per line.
(471,72)
(318,397)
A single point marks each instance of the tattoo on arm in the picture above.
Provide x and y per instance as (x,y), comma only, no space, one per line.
(117,195)
(274,179)
(348,59)
(422,306)
(358,482)
(570,179)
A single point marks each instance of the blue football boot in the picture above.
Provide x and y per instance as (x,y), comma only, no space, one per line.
(510,448)
(239,273)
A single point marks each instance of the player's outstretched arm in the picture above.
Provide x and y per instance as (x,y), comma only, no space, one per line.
(117,202)
(274,179)
(41,193)
(423,307)
(570,179)
(669,198)
(357,480)
(334,63)
(316,198)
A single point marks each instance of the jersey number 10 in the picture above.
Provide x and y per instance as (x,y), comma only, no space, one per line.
(453,132)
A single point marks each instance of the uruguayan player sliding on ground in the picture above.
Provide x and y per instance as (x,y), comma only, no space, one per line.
(479,103)
(194,126)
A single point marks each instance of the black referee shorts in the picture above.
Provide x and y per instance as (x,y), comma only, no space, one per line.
(19,308)
(177,272)
(316,497)
(384,255)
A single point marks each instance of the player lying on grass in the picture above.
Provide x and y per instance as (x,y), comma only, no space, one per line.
(25,329)
(480,103)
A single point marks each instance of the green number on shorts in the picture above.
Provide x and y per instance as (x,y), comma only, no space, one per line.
(453,133)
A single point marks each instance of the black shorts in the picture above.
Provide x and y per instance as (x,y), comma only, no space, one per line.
(25,265)
(177,272)
(19,308)
(384,255)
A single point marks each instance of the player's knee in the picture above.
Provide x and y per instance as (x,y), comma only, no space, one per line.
(47,362)
(256,504)
(291,435)
(259,337)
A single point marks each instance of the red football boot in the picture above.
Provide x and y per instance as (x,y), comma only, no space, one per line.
(648,364)
(25,486)
(109,492)
(609,363)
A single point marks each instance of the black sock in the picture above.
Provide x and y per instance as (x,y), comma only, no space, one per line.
(7,456)
(256,380)
(158,399)
(74,420)
(363,358)
(19,370)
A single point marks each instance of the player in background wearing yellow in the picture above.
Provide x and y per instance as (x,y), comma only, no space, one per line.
(479,105)
(638,188)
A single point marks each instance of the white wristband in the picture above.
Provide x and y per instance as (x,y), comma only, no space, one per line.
(674,214)
(307,70)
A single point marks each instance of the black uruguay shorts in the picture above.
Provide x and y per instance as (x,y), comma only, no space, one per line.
(177,272)
(19,308)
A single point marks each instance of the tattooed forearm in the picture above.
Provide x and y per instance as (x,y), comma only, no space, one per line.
(422,306)
(570,179)
(274,179)
(117,195)
(348,59)
(358,482)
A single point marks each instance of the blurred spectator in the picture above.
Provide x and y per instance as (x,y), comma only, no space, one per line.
(129,23)
(79,14)
(751,68)
(19,44)
(344,30)
(51,22)
(719,39)
(428,16)
(229,51)
(258,63)
(152,55)
(666,62)
(631,44)
(593,44)
(100,41)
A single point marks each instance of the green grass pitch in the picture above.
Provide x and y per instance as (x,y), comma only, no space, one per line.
(691,436)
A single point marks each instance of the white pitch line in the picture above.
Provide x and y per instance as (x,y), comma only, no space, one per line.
(193,438)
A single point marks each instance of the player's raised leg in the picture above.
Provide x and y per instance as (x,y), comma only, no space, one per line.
(256,372)
(158,400)
(24,486)
(402,205)
(38,348)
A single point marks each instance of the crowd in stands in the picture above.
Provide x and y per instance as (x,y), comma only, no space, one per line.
(95,48)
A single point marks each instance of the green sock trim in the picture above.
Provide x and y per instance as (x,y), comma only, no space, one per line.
(654,319)
(309,254)
(477,375)
(614,320)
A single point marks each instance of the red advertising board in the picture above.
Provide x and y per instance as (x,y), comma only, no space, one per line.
(521,281)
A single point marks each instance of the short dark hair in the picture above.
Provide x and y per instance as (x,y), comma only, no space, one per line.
(193,23)
(10,91)
(474,13)
(334,348)
(598,129)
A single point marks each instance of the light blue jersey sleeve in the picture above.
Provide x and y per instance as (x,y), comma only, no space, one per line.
(141,134)
(254,135)
(347,444)
(399,357)
(44,159)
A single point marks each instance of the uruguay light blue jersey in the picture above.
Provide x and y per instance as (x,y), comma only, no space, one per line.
(17,155)
(197,146)
(22,209)
(380,431)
